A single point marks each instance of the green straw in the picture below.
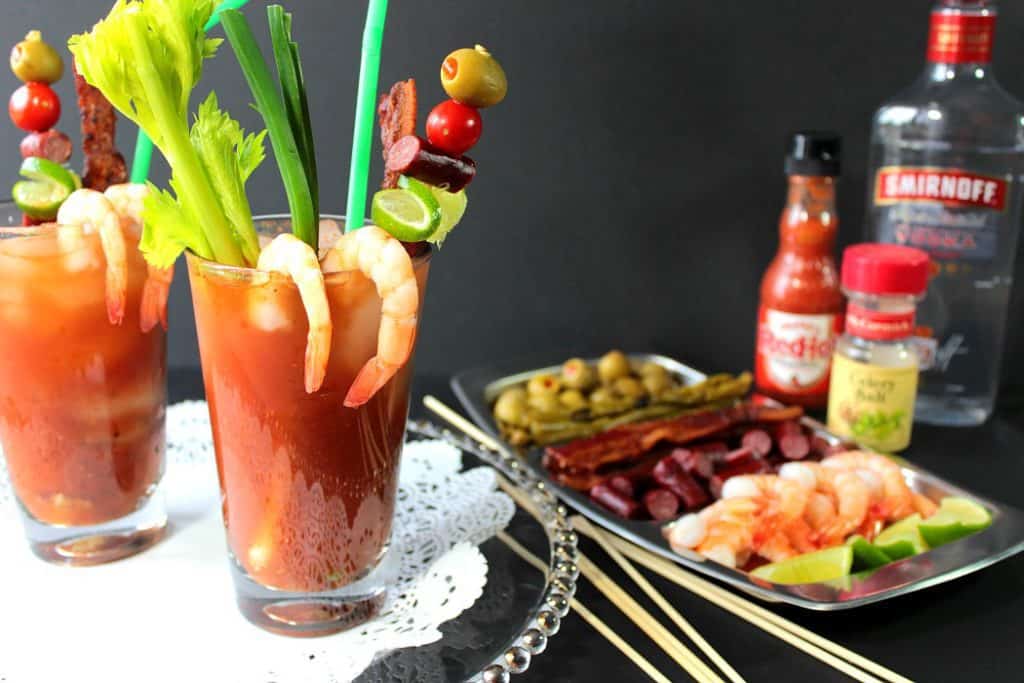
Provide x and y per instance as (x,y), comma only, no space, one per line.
(362,134)
(143,145)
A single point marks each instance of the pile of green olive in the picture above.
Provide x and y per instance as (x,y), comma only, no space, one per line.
(584,399)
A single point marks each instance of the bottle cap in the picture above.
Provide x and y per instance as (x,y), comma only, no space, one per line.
(885,269)
(814,153)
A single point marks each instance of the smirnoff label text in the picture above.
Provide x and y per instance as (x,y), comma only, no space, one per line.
(794,351)
(951,213)
(948,186)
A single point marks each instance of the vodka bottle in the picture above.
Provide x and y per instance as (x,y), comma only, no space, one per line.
(947,157)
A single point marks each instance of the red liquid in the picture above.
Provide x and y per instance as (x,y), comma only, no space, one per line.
(308,485)
(81,400)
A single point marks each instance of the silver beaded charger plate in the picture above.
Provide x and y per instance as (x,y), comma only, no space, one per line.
(478,389)
(521,608)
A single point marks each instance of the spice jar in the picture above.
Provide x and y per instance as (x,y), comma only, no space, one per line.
(875,365)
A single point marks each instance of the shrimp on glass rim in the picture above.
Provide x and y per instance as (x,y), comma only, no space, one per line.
(290,256)
(93,212)
(129,200)
(383,259)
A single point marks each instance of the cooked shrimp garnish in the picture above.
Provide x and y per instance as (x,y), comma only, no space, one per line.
(728,526)
(383,259)
(94,213)
(290,256)
(850,495)
(129,200)
(898,499)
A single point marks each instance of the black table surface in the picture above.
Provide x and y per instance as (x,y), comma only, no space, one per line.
(966,630)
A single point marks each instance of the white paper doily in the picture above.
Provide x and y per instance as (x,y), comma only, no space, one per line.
(169,614)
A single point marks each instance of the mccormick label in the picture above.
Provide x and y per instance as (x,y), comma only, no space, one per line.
(794,351)
(950,213)
(961,38)
(872,405)
(870,324)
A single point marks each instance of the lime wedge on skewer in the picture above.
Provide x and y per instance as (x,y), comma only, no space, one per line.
(43,170)
(902,539)
(39,200)
(410,214)
(453,207)
(823,565)
(955,518)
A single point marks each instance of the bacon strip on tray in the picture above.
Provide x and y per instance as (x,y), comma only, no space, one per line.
(104,165)
(582,463)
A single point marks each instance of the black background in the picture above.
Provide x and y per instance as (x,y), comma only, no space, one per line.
(629,186)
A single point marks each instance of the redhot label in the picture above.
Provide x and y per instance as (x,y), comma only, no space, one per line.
(870,324)
(961,38)
(947,186)
(794,351)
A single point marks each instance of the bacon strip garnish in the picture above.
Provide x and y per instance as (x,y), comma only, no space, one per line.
(397,115)
(104,165)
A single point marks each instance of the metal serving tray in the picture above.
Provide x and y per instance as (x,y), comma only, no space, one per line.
(477,390)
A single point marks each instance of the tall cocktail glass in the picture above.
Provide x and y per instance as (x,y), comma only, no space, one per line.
(82,401)
(308,485)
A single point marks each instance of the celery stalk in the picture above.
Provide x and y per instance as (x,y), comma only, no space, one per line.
(181,156)
(305,223)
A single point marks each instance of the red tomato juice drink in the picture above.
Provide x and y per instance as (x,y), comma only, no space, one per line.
(82,400)
(308,485)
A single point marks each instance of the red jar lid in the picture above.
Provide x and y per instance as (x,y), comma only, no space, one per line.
(885,269)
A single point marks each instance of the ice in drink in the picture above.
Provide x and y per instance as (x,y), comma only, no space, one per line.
(81,400)
(308,485)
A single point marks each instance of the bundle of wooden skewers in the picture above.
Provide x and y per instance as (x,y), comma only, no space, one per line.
(712,667)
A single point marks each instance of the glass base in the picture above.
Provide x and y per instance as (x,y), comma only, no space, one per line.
(307,615)
(81,546)
(952,412)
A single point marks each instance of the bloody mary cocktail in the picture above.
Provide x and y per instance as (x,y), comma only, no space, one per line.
(81,399)
(308,485)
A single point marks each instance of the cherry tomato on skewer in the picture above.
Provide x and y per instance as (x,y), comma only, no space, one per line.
(34,107)
(453,127)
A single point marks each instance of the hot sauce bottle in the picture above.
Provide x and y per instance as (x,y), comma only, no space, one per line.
(800,316)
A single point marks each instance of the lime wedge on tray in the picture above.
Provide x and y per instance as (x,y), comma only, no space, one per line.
(823,565)
(410,214)
(902,539)
(955,518)
(866,555)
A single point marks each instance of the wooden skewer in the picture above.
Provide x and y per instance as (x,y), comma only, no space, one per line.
(799,637)
(682,655)
(582,524)
(588,616)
